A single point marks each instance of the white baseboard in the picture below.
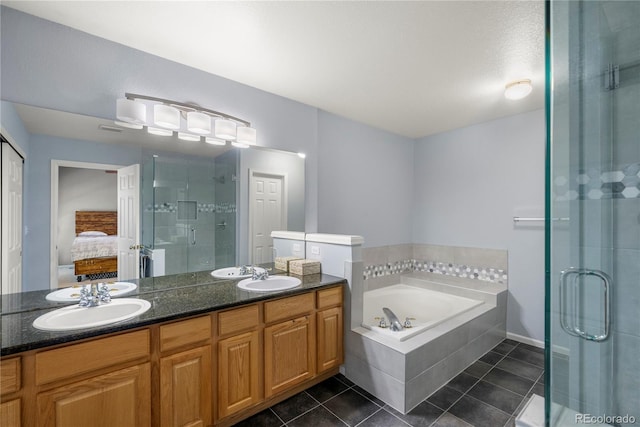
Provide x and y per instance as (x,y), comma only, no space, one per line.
(525,340)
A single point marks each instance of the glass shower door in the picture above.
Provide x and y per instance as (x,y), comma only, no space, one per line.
(593,289)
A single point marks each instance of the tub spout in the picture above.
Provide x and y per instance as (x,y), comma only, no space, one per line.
(394,322)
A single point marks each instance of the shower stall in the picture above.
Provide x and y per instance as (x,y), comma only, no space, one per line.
(593,213)
(189,211)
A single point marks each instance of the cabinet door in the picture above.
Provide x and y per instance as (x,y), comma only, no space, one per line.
(185,388)
(289,354)
(10,413)
(329,338)
(121,398)
(238,373)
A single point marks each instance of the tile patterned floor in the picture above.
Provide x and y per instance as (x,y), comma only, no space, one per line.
(488,393)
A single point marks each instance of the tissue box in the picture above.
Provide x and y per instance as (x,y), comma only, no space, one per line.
(304,267)
(282,262)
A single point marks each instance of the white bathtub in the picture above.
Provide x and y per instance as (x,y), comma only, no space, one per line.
(429,308)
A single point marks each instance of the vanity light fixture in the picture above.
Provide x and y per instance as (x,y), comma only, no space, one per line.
(518,89)
(214,141)
(188,136)
(217,128)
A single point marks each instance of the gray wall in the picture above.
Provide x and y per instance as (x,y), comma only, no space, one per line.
(469,184)
(365,182)
(81,190)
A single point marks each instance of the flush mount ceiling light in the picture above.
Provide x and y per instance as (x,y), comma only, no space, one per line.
(167,117)
(518,89)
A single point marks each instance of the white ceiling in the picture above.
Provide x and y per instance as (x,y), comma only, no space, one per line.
(414,68)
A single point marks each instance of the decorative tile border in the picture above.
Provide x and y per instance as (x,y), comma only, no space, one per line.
(224,207)
(486,274)
(595,184)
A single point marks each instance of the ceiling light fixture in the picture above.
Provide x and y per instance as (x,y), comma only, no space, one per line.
(167,117)
(518,89)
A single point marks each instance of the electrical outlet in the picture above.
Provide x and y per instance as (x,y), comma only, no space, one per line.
(296,247)
(315,250)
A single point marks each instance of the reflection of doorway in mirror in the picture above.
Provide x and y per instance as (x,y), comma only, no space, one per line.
(76,186)
(267,213)
(12,190)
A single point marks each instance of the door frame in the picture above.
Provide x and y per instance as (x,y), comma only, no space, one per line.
(285,202)
(55,175)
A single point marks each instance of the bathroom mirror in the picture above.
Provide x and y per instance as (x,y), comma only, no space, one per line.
(204,206)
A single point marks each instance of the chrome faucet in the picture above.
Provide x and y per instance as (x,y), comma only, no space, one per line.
(394,322)
(260,275)
(97,294)
(246,269)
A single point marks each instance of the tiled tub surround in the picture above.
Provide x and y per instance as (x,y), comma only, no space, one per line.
(488,265)
(404,373)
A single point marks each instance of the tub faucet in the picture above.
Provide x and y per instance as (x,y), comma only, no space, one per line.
(394,322)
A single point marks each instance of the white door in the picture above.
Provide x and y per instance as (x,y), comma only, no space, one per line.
(267,212)
(128,222)
(11,220)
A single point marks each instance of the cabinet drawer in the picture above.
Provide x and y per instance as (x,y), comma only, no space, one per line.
(330,297)
(77,359)
(288,307)
(185,332)
(10,375)
(238,319)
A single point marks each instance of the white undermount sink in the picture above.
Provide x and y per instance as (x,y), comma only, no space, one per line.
(272,283)
(233,273)
(76,317)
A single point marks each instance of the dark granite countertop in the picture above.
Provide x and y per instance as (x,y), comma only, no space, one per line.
(171,297)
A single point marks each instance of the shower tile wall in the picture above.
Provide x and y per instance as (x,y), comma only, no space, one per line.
(383,265)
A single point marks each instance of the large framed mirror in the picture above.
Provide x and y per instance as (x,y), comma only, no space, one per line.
(190,206)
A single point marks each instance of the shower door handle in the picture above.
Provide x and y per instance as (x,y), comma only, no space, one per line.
(193,235)
(573,328)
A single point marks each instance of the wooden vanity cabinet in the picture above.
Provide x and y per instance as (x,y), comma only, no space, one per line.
(239,362)
(214,369)
(10,384)
(289,354)
(102,382)
(185,373)
(329,329)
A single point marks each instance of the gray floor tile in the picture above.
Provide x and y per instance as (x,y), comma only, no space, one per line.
(498,397)
(318,417)
(478,413)
(523,369)
(478,369)
(531,348)
(449,420)
(294,406)
(369,396)
(327,389)
(491,358)
(444,398)
(351,407)
(462,382)
(509,381)
(344,380)
(503,348)
(534,358)
(265,418)
(422,415)
(383,418)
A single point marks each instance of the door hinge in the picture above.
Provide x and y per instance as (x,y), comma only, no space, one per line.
(612,77)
